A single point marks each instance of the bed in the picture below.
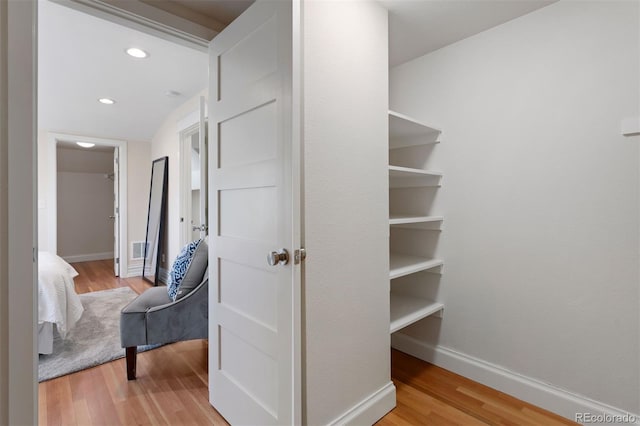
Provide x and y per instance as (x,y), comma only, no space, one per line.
(58,302)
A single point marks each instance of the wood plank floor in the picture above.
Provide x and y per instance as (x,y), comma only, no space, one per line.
(172,388)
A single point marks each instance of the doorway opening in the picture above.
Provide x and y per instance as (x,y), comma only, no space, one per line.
(194,210)
(86,198)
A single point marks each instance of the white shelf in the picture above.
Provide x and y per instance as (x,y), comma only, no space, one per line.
(406,310)
(406,177)
(415,222)
(405,131)
(401,264)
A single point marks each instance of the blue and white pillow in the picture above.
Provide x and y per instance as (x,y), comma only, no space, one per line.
(180,268)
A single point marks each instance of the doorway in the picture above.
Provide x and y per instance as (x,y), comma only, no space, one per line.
(113,223)
(193,176)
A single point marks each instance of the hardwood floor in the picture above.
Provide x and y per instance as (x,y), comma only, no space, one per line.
(430,395)
(172,386)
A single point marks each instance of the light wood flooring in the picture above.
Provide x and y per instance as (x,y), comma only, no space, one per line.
(172,386)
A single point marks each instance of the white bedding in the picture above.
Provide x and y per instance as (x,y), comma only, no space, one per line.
(58,302)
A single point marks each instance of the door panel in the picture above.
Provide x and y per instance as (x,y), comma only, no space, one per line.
(239,280)
(251,58)
(239,209)
(253,351)
(238,132)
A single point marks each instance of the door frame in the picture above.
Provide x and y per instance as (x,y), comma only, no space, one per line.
(18,365)
(18,213)
(185,182)
(188,125)
(52,192)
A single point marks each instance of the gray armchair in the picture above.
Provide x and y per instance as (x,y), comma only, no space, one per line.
(152,318)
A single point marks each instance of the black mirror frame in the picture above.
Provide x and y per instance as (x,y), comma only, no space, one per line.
(161,225)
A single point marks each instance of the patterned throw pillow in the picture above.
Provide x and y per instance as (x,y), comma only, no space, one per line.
(180,268)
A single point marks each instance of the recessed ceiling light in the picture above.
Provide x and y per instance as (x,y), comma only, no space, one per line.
(137,53)
(86,144)
(106,101)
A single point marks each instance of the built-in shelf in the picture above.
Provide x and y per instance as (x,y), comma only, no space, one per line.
(406,310)
(405,131)
(406,177)
(415,222)
(401,264)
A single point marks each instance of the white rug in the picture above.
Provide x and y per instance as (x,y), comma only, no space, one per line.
(94,340)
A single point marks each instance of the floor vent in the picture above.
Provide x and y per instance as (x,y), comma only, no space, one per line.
(138,249)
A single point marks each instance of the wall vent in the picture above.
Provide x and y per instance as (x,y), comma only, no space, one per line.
(137,248)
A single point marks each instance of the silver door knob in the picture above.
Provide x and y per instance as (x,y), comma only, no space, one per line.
(278,257)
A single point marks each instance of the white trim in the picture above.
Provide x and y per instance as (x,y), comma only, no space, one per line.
(533,391)
(185,181)
(135,270)
(88,257)
(371,409)
(52,190)
(191,119)
(297,205)
(163,275)
(147,19)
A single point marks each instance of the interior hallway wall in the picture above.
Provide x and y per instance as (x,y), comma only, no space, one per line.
(166,142)
(346,222)
(540,196)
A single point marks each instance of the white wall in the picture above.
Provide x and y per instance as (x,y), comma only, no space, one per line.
(540,196)
(166,142)
(138,181)
(346,290)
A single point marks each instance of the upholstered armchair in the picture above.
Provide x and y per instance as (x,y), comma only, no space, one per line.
(154,318)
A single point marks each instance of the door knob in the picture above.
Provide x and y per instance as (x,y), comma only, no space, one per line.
(278,257)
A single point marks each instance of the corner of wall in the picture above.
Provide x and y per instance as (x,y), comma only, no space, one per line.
(371,409)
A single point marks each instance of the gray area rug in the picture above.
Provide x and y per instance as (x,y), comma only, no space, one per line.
(94,340)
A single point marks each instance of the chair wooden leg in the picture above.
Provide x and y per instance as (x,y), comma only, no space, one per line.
(131,352)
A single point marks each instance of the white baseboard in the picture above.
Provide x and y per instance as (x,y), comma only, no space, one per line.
(371,409)
(88,257)
(134,270)
(163,276)
(544,395)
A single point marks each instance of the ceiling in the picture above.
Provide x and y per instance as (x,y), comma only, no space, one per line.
(81,58)
(417,27)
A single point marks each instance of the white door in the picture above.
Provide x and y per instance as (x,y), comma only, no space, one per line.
(203,158)
(116,212)
(254,351)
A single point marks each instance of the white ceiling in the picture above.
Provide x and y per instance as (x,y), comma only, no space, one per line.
(417,27)
(81,58)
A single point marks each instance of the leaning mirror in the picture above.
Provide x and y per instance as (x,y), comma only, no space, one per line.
(154,241)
